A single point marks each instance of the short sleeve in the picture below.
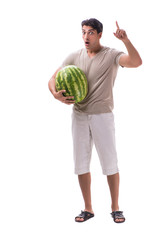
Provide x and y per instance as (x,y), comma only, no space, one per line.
(118,57)
(70,60)
(115,55)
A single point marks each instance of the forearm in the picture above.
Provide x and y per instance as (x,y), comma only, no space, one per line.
(51,85)
(133,54)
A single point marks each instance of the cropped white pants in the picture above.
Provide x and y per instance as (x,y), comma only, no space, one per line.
(98,129)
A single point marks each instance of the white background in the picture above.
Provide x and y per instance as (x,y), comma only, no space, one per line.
(39,194)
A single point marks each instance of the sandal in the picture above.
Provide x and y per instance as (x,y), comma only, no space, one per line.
(118,215)
(84,215)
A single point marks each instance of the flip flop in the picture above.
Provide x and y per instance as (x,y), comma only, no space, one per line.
(118,215)
(84,215)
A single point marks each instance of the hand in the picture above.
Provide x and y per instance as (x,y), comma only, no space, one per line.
(120,34)
(67,100)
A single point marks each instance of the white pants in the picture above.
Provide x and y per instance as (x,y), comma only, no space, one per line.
(98,129)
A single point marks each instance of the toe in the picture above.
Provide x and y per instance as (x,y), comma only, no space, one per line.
(79,219)
(119,220)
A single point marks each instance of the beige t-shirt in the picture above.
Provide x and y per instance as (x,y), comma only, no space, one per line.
(101,71)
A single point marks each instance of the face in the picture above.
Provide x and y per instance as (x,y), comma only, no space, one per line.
(90,37)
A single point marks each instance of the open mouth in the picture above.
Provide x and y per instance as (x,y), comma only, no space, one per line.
(86,43)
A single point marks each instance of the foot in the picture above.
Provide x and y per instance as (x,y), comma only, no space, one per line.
(118,216)
(84,215)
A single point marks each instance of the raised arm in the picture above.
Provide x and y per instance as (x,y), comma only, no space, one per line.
(132,59)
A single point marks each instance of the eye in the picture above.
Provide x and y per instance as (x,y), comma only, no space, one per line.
(83,33)
(91,33)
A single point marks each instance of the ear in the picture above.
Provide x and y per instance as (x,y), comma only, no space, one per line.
(100,35)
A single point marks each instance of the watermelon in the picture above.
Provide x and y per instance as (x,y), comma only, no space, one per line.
(73,80)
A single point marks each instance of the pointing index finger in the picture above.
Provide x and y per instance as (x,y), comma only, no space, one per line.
(117,25)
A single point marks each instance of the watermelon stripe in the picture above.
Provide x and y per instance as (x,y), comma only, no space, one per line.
(79,73)
(62,83)
(81,80)
(68,80)
(85,82)
(58,82)
(77,84)
(74,85)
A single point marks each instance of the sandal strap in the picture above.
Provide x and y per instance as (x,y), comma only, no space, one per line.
(85,214)
(117,215)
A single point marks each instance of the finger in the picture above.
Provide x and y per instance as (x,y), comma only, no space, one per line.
(115,34)
(69,102)
(66,103)
(69,97)
(62,91)
(121,33)
(117,25)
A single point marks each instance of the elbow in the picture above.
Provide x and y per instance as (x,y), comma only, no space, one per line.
(133,63)
(49,84)
(136,64)
(139,62)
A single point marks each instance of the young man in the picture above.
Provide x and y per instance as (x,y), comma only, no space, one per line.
(92,119)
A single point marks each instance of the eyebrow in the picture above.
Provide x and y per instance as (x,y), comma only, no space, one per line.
(92,29)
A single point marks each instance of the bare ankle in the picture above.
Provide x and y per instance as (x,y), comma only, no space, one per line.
(115,208)
(89,209)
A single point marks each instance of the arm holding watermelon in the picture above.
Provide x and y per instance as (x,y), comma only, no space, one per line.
(59,95)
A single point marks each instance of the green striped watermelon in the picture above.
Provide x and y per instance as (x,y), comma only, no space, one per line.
(73,80)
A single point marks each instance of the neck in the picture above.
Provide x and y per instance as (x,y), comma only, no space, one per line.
(92,52)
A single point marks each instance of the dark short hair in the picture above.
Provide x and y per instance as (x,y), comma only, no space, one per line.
(97,25)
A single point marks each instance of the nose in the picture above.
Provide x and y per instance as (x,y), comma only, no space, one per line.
(86,36)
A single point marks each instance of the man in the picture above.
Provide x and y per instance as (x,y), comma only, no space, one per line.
(92,119)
